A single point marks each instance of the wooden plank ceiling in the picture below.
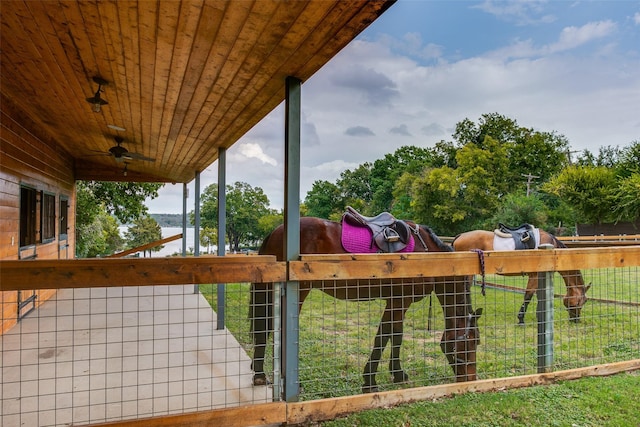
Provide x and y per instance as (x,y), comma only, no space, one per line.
(184,78)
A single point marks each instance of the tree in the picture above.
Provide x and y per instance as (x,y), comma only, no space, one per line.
(208,237)
(497,126)
(437,201)
(629,160)
(628,196)
(96,201)
(483,174)
(323,199)
(386,171)
(268,223)
(542,154)
(628,171)
(355,189)
(590,190)
(114,242)
(125,200)
(245,206)
(144,230)
(516,209)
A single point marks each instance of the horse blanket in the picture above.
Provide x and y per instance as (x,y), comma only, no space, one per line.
(359,240)
(509,244)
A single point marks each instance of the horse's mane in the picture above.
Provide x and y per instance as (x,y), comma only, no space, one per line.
(441,245)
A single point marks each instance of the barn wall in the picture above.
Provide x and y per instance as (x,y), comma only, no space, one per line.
(29,158)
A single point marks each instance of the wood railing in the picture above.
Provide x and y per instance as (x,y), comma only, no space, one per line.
(101,272)
(17,275)
(146,246)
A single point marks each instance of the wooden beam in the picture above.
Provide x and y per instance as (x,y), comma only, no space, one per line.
(382,266)
(49,274)
(328,409)
(113,272)
(438,264)
(610,238)
(306,412)
(253,415)
(146,246)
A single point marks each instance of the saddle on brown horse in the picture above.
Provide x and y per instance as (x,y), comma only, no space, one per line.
(523,236)
(389,234)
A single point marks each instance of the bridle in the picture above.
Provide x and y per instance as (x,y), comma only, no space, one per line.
(465,336)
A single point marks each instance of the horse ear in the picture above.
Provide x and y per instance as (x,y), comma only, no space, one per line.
(478,312)
(587,288)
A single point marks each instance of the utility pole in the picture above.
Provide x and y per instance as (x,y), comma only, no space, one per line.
(529,180)
(569,153)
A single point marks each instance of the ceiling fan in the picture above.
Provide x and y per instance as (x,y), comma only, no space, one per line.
(121,154)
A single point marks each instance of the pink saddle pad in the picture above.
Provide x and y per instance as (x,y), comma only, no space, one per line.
(359,240)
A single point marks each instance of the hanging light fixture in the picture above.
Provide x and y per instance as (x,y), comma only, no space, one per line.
(95,100)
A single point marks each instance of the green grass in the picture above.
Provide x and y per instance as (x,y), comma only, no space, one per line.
(610,401)
(336,336)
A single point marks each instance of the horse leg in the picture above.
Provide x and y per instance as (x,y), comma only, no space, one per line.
(532,286)
(260,313)
(379,343)
(399,375)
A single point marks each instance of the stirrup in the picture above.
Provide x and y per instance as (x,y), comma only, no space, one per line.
(390,235)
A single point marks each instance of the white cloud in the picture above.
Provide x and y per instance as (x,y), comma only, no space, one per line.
(523,12)
(254,151)
(572,37)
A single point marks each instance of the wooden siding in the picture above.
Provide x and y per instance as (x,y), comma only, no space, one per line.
(28,157)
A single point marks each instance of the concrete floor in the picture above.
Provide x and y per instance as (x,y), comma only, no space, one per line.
(108,354)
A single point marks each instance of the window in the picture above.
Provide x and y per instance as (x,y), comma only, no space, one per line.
(48,217)
(28,216)
(64,213)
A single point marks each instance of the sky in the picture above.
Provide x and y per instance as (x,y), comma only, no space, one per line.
(570,67)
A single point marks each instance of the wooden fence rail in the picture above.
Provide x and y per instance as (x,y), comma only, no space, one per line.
(60,274)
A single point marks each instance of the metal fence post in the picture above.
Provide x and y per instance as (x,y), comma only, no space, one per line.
(544,314)
(289,309)
(278,289)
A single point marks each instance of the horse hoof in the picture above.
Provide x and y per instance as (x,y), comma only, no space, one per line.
(400,377)
(369,389)
(521,323)
(260,379)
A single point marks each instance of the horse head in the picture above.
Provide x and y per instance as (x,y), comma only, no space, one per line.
(576,296)
(459,345)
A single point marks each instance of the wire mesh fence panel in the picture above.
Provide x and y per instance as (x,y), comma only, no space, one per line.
(608,329)
(399,330)
(337,336)
(107,354)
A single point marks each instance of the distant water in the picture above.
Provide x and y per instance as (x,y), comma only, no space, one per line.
(175,247)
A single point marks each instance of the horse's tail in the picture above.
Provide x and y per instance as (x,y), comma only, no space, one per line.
(557,242)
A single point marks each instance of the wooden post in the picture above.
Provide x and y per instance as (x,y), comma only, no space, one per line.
(544,314)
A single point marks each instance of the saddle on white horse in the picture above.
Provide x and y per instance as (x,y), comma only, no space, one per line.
(507,238)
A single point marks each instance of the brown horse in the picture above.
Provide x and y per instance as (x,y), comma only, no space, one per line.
(319,236)
(576,295)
